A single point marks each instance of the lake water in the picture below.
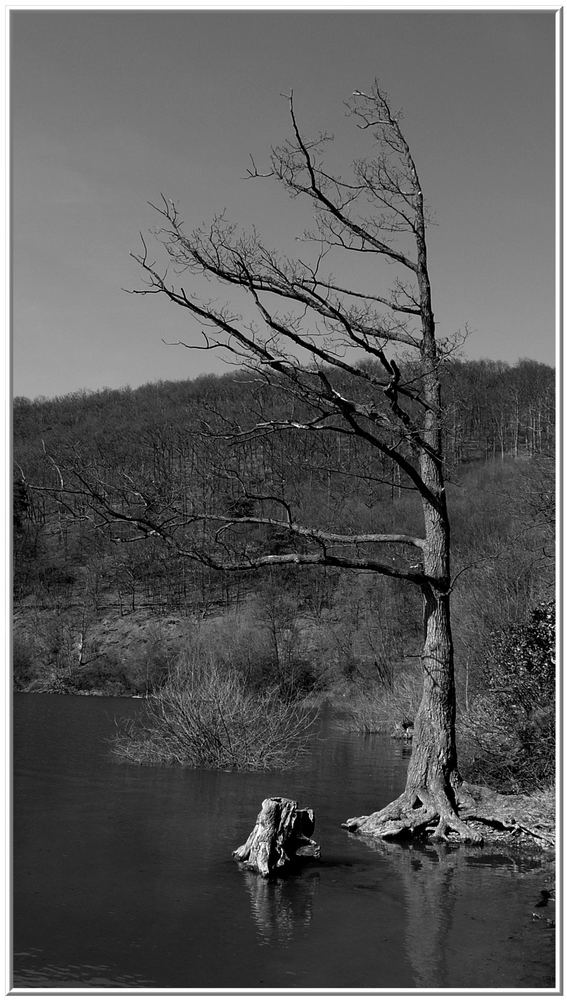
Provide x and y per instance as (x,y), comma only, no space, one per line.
(123,876)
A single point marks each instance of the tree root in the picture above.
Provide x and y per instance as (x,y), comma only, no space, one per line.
(413,813)
(426,812)
(509,813)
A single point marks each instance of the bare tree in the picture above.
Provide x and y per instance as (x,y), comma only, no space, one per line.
(334,352)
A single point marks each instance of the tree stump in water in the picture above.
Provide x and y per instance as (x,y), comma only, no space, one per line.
(280,838)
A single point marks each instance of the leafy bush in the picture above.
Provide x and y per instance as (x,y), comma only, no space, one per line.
(509,732)
(502,529)
(521,665)
(206,716)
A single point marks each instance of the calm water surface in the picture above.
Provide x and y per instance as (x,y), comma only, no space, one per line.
(123,875)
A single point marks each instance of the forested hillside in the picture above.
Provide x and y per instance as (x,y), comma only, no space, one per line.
(100,607)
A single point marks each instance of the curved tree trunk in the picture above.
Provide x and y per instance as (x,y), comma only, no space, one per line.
(433,778)
(433,786)
(433,782)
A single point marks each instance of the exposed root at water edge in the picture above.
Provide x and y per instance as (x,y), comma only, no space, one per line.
(415,812)
(429,812)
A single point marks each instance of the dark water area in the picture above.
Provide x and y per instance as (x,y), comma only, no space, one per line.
(123,876)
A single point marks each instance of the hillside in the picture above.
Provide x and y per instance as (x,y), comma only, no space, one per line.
(98,608)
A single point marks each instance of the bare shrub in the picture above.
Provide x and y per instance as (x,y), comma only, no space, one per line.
(500,752)
(489,748)
(26,662)
(206,716)
(385,709)
(267,655)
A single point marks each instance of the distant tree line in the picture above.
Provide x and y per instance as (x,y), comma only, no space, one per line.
(162,436)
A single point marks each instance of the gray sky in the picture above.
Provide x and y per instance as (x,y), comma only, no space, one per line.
(110,108)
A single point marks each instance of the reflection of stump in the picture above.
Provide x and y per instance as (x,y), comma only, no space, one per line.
(280,837)
(281,908)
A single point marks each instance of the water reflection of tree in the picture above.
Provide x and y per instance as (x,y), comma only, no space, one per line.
(432,878)
(281,907)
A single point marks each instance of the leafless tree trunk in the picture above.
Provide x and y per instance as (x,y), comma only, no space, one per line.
(329,348)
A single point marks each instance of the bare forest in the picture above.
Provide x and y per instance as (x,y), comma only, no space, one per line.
(95,615)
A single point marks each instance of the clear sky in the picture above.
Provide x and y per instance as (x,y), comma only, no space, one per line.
(111,107)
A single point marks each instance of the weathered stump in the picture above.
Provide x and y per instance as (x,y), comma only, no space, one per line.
(280,838)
